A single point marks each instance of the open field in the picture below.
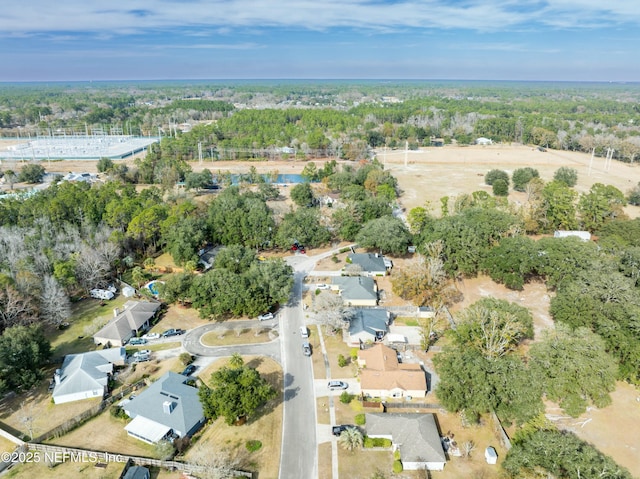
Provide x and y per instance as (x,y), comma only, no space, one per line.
(236,336)
(431,173)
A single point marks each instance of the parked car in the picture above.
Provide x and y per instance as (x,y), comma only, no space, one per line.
(306,349)
(189,370)
(265,317)
(141,356)
(137,341)
(323,286)
(172,332)
(304,332)
(338,385)
(151,336)
(337,430)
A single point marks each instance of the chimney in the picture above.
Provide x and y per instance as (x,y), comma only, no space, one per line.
(57,376)
(167,407)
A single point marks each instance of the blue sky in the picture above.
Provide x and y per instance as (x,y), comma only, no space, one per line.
(585,40)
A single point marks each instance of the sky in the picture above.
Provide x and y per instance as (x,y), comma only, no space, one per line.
(551,40)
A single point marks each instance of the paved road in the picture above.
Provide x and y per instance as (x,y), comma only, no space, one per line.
(192,344)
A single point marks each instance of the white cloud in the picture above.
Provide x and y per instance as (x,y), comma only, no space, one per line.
(479,15)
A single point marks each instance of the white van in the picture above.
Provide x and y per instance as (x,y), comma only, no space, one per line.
(304,332)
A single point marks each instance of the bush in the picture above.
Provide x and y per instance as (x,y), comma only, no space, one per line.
(186,359)
(32,173)
(377,442)
(104,164)
(346,398)
(342,361)
(493,175)
(118,412)
(253,445)
(522,176)
(360,419)
(500,188)
(354,354)
(566,175)
(397,466)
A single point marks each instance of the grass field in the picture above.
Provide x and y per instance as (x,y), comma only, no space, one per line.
(232,337)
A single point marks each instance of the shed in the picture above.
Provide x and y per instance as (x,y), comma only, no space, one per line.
(491,455)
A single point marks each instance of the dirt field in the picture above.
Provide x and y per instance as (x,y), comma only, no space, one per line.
(431,173)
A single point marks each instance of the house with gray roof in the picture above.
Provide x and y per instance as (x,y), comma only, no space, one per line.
(372,264)
(416,436)
(135,317)
(367,325)
(357,291)
(137,472)
(167,408)
(86,375)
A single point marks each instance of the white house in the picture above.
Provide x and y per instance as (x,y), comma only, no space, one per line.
(416,436)
(484,141)
(583,235)
(86,375)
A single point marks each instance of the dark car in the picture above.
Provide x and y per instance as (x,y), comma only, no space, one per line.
(189,370)
(337,430)
(172,332)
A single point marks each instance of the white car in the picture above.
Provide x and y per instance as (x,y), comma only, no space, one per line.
(323,286)
(142,355)
(151,336)
(265,317)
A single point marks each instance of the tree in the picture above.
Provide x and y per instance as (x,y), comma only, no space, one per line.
(500,187)
(351,439)
(304,226)
(600,205)
(236,391)
(493,175)
(55,307)
(214,463)
(512,262)
(302,194)
(574,368)
(633,195)
(24,350)
(388,234)
(16,308)
(560,454)
(32,173)
(559,206)
(418,219)
(522,176)
(104,164)
(235,258)
(331,311)
(310,172)
(176,287)
(493,326)
(10,177)
(566,175)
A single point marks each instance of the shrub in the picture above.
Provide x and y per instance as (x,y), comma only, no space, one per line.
(342,361)
(360,419)
(377,442)
(500,188)
(493,175)
(397,466)
(354,353)
(568,176)
(118,412)
(186,358)
(346,398)
(335,259)
(253,445)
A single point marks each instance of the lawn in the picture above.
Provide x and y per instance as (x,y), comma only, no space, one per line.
(87,470)
(266,427)
(230,337)
(88,315)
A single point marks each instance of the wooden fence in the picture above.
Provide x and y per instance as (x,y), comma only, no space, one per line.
(55,454)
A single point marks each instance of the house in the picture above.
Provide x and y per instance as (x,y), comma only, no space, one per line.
(357,291)
(168,408)
(416,436)
(583,235)
(86,375)
(372,264)
(367,326)
(137,472)
(133,318)
(384,376)
(207,256)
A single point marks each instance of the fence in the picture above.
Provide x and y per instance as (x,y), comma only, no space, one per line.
(384,406)
(499,430)
(86,415)
(60,454)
